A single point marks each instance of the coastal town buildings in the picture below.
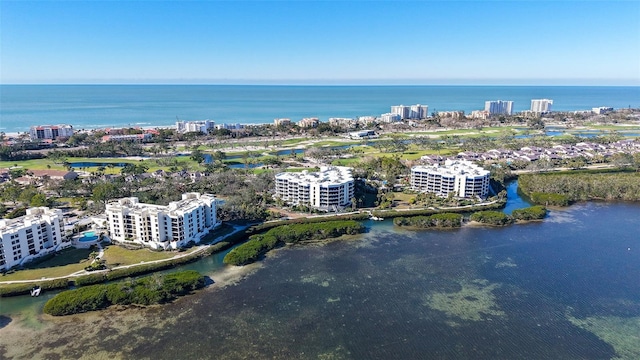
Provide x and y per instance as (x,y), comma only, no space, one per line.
(480,114)
(401,110)
(282,122)
(541,106)
(462,178)
(202,126)
(456,115)
(418,112)
(309,123)
(411,112)
(52,132)
(366,120)
(226,126)
(601,110)
(130,137)
(342,122)
(329,189)
(499,107)
(363,134)
(162,227)
(389,118)
(35,234)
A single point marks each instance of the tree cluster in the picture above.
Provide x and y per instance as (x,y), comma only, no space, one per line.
(154,289)
(257,245)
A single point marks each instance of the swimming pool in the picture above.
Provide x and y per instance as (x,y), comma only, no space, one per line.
(88,236)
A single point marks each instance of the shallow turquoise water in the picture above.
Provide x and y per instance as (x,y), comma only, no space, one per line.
(475,292)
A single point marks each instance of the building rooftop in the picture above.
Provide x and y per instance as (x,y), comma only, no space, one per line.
(328,175)
(33,215)
(453,168)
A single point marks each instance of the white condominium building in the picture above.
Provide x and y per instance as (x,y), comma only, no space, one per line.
(202,126)
(37,233)
(541,106)
(162,227)
(389,118)
(411,112)
(330,189)
(401,110)
(499,107)
(463,178)
(419,112)
(50,131)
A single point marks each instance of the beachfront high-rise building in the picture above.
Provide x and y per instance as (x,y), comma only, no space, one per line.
(460,177)
(541,106)
(401,110)
(499,107)
(50,131)
(162,227)
(419,112)
(37,233)
(411,112)
(202,126)
(329,189)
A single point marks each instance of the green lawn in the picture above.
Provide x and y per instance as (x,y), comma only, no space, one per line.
(346,162)
(116,255)
(64,263)
(223,230)
(33,164)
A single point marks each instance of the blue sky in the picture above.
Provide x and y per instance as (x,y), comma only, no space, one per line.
(344,42)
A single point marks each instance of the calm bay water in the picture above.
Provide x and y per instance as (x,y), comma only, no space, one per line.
(564,288)
(99,106)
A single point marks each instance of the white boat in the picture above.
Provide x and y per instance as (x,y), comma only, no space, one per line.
(36,291)
(375,218)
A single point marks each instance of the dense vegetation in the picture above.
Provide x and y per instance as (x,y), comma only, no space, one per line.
(406,213)
(444,220)
(261,243)
(581,186)
(531,213)
(146,291)
(491,218)
(550,199)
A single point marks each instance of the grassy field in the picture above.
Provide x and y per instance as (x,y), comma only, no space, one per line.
(64,263)
(115,255)
(34,164)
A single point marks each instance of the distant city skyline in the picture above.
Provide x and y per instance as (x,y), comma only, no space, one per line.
(327,42)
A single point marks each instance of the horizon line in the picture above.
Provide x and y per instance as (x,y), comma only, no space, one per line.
(343,82)
(319,84)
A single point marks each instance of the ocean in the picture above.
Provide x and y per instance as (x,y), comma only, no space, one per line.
(100,106)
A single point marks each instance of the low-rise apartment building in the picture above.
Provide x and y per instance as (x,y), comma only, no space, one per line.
(329,189)
(50,131)
(460,177)
(162,227)
(37,233)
